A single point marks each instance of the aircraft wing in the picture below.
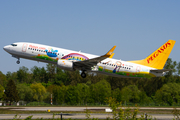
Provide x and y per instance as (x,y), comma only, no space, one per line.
(87,64)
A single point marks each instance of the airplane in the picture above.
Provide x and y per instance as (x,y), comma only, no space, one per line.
(151,66)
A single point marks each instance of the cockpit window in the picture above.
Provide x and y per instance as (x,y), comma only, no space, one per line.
(14,44)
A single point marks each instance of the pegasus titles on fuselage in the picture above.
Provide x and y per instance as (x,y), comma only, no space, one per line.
(151,66)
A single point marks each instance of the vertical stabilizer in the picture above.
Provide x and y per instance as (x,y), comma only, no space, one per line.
(159,57)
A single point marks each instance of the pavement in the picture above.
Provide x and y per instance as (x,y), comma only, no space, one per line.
(78,115)
(80,108)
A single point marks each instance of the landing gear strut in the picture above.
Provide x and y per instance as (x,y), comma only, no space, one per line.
(18,61)
(83,74)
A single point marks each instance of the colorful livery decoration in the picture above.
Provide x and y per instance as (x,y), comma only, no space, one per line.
(158,52)
(151,66)
(51,53)
(75,56)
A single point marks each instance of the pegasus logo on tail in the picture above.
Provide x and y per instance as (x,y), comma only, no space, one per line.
(158,52)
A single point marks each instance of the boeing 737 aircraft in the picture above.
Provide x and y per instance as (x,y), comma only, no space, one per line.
(152,66)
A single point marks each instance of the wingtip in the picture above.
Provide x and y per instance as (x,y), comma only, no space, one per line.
(111,56)
(110,52)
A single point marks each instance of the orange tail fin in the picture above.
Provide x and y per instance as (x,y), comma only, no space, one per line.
(159,57)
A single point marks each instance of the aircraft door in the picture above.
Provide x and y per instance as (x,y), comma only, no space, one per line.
(138,69)
(24,47)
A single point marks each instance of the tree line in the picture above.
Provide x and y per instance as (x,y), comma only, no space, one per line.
(68,87)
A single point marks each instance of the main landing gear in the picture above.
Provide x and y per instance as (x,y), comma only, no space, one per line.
(18,61)
(83,74)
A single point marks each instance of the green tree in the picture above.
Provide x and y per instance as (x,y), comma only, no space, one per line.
(39,91)
(178,68)
(131,94)
(72,95)
(116,94)
(59,94)
(100,91)
(150,86)
(3,80)
(11,93)
(62,77)
(23,75)
(169,93)
(84,92)
(12,75)
(36,73)
(75,77)
(144,99)
(43,75)
(25,92)
(170,65)
(51,71)
(39,74)
(1,91)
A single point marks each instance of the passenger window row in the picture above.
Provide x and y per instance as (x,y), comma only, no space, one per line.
(43,51)
(115,65)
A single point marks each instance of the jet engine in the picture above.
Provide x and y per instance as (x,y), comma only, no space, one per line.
(65,64)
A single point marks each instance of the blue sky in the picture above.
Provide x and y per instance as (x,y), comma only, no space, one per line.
(136,27)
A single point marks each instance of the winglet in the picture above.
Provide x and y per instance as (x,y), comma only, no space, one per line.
(110,52)
(111,56)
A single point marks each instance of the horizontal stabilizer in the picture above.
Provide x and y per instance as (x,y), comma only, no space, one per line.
(160,71)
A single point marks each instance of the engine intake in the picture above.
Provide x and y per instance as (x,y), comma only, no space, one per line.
(65,64)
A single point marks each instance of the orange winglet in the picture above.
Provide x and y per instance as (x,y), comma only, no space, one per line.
(111,56)
(110,52)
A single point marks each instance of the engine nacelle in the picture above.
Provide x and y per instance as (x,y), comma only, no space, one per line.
(65,64)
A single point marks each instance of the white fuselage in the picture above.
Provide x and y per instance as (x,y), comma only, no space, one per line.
(49,54)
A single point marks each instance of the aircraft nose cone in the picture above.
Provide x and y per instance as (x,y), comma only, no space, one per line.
(5,48)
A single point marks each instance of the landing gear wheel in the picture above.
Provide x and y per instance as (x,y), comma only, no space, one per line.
(18,62)
(83,74)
